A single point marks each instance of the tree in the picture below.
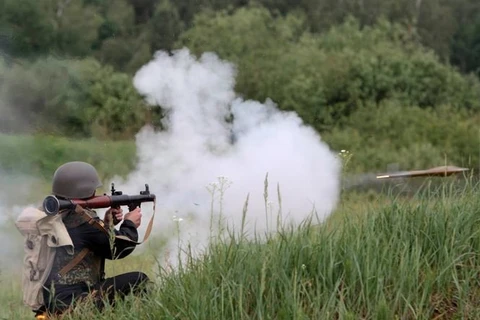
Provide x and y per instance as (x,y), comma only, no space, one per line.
(165,26)
(76,27)
(466,47)
(30,29)
(144,10)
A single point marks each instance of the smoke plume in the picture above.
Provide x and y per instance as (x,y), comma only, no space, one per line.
(14,189)
(217,149)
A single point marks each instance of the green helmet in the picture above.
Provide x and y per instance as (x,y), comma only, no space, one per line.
(75,180)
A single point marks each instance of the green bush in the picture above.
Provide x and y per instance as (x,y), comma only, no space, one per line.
(412,137)
(327,77)
(39,156)
(113,109)
(76,98)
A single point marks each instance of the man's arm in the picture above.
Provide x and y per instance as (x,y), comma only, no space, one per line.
(103,244)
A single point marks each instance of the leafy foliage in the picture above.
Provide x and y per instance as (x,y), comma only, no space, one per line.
(412,137)
(76,98)
(466,47)
(327,77)
(81,28)
(112,106)
(39,156)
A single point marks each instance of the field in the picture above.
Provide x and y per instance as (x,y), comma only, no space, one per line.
(378,256)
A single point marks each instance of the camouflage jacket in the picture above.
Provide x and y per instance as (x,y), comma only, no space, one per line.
(90,269)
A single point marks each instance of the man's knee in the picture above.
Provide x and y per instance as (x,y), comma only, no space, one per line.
(135,278)
(142,277)
(132,281)
(142,282)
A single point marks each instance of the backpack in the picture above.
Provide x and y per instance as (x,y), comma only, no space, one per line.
(42,234)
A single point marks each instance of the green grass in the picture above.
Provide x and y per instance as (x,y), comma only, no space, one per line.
(399,258)
(401,255)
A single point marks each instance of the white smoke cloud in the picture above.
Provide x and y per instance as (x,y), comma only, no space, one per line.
(201,151)
(14,189)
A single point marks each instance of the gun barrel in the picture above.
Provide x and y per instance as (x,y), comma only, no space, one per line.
(52,205)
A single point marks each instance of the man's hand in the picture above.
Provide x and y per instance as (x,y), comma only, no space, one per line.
(113,215)
(135,216)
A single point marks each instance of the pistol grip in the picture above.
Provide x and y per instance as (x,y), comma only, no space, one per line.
(133,206)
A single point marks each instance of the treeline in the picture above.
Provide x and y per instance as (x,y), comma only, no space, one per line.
(391,81)
(124,33)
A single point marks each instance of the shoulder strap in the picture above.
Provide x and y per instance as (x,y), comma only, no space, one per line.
(73,262)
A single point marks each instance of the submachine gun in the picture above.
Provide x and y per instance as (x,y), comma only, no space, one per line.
(52,205)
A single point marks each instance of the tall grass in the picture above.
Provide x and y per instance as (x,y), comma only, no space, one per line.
(413,258)
(378,257)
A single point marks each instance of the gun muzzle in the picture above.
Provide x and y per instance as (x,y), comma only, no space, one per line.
(51,205)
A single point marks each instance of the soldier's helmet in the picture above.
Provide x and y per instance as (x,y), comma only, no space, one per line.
(75,180)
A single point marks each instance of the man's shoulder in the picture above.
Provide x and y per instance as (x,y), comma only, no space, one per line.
(73,220)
